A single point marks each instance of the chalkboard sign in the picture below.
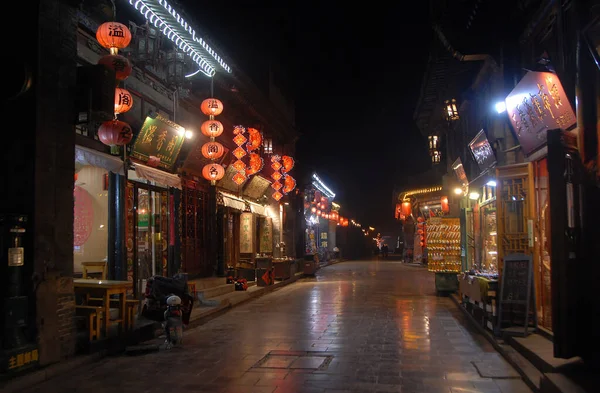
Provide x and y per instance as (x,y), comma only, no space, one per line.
(516,287)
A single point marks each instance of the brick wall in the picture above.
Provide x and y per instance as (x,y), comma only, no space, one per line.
(54,169)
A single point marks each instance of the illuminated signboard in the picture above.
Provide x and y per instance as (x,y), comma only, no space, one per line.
(459,172)
(482,151)
(538,103)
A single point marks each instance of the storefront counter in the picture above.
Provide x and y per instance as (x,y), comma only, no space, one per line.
(282,269)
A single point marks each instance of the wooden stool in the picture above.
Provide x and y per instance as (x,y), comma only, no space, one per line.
(94,315)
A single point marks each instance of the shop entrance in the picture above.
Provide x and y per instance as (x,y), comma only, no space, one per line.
(151,233)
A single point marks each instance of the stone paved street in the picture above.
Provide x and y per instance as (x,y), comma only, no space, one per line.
(368,326)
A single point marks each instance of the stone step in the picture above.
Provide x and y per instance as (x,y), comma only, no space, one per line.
(540,352)
(215,291)
(584,382)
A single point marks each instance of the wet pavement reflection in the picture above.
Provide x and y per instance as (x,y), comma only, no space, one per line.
(367,326)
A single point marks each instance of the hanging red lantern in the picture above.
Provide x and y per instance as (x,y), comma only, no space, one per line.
(277,195)
(212,128)
(255,164)
(213,150)
(254,139)
(119,64)
(289,183)
(213,172)
(211,107)
(113,36)
(445,205)
(406,208)
(115,133)
(123,100)
(239,178)
(288,164)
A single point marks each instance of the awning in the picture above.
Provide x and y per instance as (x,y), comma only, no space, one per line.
(233,202)
(258,209)
(240,204)
(86,156)
(158,176)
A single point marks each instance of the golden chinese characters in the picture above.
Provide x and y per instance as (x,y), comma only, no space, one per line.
(149,135)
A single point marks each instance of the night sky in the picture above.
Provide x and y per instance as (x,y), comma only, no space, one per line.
(356,73)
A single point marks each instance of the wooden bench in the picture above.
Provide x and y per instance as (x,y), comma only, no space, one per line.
(94,315)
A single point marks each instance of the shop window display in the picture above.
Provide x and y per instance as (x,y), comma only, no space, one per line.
(489,257)
(90,224)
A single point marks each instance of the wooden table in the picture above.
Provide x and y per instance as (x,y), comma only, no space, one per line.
(104,289)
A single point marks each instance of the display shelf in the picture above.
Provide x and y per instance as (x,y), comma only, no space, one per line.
(443,245)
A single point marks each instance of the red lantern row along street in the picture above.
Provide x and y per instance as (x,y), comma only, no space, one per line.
(239,139)
(276,176)
(255,161)
(289,183)
(212,150)
(114,36)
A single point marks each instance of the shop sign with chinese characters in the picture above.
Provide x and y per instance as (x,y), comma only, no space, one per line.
(21,358)
(246,233)
(538,103)
(160,138)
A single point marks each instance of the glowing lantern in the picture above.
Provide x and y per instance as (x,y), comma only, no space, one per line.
(289,183)
(115,133)
(255,139)
(313,210)
(211,107)
(277,186)
(406,208)
(213,172)
(113,36)
(277,195)
(239,165)
(445,205)
(255,165)
(119,64)
(288,164)
(213,150)
(123,100)
(239,178)
(212,128)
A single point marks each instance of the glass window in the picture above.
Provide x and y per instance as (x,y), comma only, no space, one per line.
(489,257)
(90,225)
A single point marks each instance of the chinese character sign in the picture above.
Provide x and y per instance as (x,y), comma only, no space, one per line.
(266,235)
(246,233)
(538,103)
(160,138)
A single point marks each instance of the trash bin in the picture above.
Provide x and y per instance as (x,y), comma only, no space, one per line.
(310,265)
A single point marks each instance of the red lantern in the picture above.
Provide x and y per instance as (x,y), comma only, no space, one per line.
(445,205)
(406,208)
(288,164)
(255,164)
(119,64)
(213,172)
(115,133)
(211,107)
(213,150)
(255,139)
(289,183)
(277,196)
(212,128)
(113,36)
(123,100)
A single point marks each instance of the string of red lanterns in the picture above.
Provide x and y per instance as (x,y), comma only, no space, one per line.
(114,36)
(239,139)
(212,150)
(276,175)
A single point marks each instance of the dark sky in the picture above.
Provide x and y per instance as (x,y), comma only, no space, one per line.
(357,71)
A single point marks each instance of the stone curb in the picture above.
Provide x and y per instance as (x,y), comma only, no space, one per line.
(497,346)
(36,377)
